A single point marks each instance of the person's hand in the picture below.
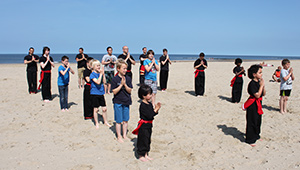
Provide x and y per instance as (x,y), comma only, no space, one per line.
(167,56)
(262,82)
(128,54)
(291,70)
(48,58)
(158,106)
(153,60)
(102,71)
(201,62)
(68,65)
(123,81)
(32,58)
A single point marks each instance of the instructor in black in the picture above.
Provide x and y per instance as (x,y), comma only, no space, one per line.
(200,65)
(31,60)
(128,59)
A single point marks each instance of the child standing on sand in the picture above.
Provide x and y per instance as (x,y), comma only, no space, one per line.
(253,106)
(97,79)
(87,102)
(286,80)
(200,65)
(237,81)
(144,129)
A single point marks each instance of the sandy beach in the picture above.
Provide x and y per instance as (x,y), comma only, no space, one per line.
(188,133)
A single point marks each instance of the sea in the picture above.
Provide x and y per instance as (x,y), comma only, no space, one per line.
(19,58)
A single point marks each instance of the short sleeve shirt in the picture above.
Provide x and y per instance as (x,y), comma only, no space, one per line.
(166,66)
(237,70)
(96,89)
(63,79)
(33,65)
(86,73)
(82,63)
(48,66)
(122,97)
(144,56)
(253,88)
(110,66)
(285,85)
(198,61)
(128,61)
(151,75)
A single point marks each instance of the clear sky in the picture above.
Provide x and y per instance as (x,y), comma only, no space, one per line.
(237,27)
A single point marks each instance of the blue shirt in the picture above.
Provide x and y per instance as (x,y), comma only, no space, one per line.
(151,75)
(96,89)
(63,79)
(122,97)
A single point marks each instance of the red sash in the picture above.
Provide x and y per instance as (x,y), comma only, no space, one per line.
(250,101)
(128,71)
(234,78)
(197,72)
(142,70)
(42,77)
(89,84)
(136,131)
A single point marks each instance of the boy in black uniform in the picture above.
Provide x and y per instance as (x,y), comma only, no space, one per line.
(200,64)
(143,57)
(237,81)
(128,59)
(31,60)
(164,70)
(87,101)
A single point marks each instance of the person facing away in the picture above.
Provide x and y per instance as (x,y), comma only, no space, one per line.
(286,81)
(31,60)
(128,59)
(200,65)
(63,82)
(142,58)
(109,61)
(164,69)
(81,64)
(237,81)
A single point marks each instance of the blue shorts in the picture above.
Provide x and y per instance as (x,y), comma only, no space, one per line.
(121,112)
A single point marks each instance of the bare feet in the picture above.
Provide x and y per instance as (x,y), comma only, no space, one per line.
(260,139)
(125,137)
(67,110)
(63,110)
(143,159)
(46,101)
(107,124)
(148,157)
(253,144)
(120,140)
(97,126)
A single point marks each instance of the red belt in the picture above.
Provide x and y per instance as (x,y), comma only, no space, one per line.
(89,84)
(197,72)
(136,131)
(250,101)
(234,78)
(42,77)
(128,71)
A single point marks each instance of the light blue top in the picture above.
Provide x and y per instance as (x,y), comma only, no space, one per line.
(96,89)
(151,75)
(63,79)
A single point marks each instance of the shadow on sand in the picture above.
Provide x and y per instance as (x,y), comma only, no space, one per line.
(225,98)
(232,131)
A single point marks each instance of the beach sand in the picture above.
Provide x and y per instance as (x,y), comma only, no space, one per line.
(188,133)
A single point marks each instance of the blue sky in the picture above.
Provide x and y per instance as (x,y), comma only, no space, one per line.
(237,27)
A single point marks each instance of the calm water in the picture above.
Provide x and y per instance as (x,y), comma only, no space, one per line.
(19,58)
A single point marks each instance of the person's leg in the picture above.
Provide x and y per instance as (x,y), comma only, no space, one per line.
(281,102)
(125,127)
(161,84)
(149,132)
(96,117)
(108,88)
(142,144)
(167,77)
(66,97)
(118,119)
(29,81)
(125,118)
(60,90)
(34,82)
(79,78)
(286,98)
(104,115)
(197,85)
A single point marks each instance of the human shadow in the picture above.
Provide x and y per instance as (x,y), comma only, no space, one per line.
(190,92)
(100,119)
(113,129)
(270,108)
(234,132)
(71,104)
(225,98)
(134,142)
(53,96)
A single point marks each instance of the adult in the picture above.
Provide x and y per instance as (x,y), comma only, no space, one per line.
(200,65)
(128,59)
(142,58)
(31,60)
(81,64)
(109,60)
(164,70)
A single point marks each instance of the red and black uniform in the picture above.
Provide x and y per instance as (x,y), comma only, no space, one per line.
(46,78)
(142,68)
(129,73)
(32,73)
(237,85)
(87,101)
(200,77)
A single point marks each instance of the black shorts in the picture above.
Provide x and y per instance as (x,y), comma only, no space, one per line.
(285,92)
(98,100)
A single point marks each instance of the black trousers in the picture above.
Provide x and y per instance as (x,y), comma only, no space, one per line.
(32,81)
(253,123)
(46,87)
(142,79)
(87,102)
(200,83)
(163,79)
(129,74)
(144,141)
(237,92)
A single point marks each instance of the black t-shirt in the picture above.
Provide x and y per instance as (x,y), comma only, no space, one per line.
(33,65)
(122,97)
(166,66)
(237,70)
(147,113)
(144,56)
(48,66)
(86,73)
(198,61)
(253,88)
(128,61)
(81,63)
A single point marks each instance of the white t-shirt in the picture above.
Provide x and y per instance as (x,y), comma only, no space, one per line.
(285,85)
(110,66)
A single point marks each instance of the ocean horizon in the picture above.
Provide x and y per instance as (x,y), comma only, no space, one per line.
(19,58)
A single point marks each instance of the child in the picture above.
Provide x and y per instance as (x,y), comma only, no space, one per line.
(151,67)
(286,79)
(87,102)
(97,79)
(144,129)
(200,65)
(164,69)
(121,87)
(276,75)
(237,81)
(63,82)
(256,89)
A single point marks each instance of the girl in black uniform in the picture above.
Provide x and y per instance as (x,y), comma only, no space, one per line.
(237,81)
(87,102)
(200,64)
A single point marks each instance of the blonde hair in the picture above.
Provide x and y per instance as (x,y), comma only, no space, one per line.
(121,61)
(95,62)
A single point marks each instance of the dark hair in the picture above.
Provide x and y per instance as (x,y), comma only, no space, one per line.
(237,61)
(144,48)
(253,69)
(165,50)
(31,48)
(144,90)
(81,48)
(285,61)
(109,48)
(45,48)
(89,58)
(63,58)
(201,54)
(150,51)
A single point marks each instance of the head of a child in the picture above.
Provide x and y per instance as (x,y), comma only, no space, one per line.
(150,54)
(65,60)
(109,50)
(145,92)
(238,61)
(285,64)
(46,51)
(121,66)
(201,55)
(89,61)
(255,72)
(96,66)
(165,52)
(279,67)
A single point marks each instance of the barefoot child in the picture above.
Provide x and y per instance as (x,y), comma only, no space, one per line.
(286,80)
(97,79)
(237,81)
(256,89)
(121,87)
(200,65)
(88,109)
(63,82)
(144,129)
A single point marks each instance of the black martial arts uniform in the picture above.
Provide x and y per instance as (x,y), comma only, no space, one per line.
(32,73)
(46,81)
(237,86)
(200,77)
(164,73)
(87,101)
